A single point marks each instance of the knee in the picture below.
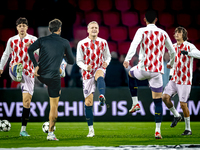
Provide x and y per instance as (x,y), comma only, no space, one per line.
(165,98)
(183,105)
(27,103)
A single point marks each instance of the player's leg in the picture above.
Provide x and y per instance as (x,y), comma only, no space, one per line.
(156,85)
(99,77)
(170,90)
(27,91)
(25,113)
(53,115)
(133,90)
(88,90)
(89,114)
(183,92)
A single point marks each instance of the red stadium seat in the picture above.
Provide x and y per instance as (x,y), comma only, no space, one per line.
(193,34)
(2,17)
(86,5)
(194,5)
(5,34)
(184,20)
(93,16)
(12,4)
(30,31)
(15,84)
(159,5)
(171,32)
(130,18)
(198,19)
(80,33)
(104,5)
(79,19)
(123,5)
(166,19)
(118,33)
(1,50)
(111,18)
(141,5)
(104,32)
(62,82)
(132,31)
(73,2)
(29,4)
(112,46)
(176,5)
(123,47)
(142,16)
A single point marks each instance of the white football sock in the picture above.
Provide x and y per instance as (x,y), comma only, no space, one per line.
(50,133)
(174,111)
(91,127)
(187,123)
(23,128)
(158,127)
(135,100)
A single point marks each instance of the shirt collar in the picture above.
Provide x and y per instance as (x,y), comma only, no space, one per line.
(151,25)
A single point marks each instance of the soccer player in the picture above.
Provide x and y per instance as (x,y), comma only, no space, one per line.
(93,57)
(53,49)
(21,67)
(152,42)
(181,77)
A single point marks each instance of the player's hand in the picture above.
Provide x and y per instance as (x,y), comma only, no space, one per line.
(36,71)
(1,71)
(104,65)
(184,52)
(89,67)
(169,66)
(28,44)
(126,64)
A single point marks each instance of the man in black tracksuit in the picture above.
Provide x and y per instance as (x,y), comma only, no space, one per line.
(53,49)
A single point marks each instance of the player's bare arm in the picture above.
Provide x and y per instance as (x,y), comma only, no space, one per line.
(1,72)
(169,66)
(126,64)
(28,44)
(89,67)
(104,65)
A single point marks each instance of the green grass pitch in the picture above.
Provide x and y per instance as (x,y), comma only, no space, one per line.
(106,134)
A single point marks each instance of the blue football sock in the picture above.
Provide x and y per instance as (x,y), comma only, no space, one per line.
(158,110)
(89,115)
(133,86)
(101,85)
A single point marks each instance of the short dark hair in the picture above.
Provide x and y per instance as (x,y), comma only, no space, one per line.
(22,20)
(184,31)
(54,25)
(150,16)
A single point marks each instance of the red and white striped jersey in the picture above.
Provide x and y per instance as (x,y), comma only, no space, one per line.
(16,47)
(92,52)
(152,42)
(183,66)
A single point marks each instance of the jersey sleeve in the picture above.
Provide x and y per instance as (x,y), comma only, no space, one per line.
(194,52)
(170,47)
(6,54)
(106,54)
(134,44)
(79,57)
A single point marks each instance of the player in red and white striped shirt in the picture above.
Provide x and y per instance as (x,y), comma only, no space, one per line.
(93,57)
(21,67)
(181,77)
(152,42)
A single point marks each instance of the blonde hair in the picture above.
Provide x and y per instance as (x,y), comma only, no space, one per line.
(92,22)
